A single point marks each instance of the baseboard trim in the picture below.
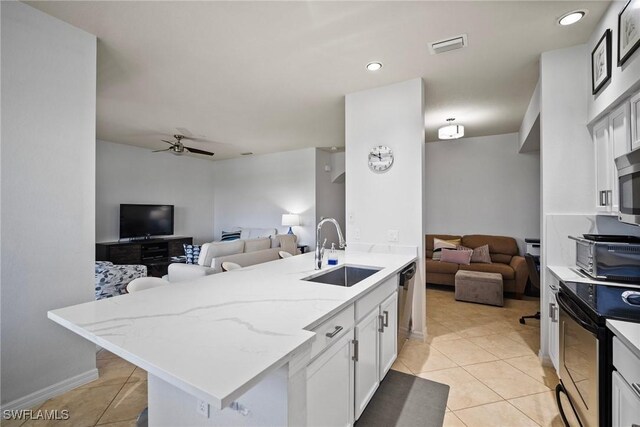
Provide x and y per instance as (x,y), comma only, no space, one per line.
(417,335)
(35,398)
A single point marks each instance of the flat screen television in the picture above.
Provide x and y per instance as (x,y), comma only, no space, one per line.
(145,220)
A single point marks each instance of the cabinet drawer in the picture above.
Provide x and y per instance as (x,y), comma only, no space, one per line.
(373,299)
(129,254)
(627,363)
(344,320)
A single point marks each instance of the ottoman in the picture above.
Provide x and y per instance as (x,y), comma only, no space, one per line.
(480,287)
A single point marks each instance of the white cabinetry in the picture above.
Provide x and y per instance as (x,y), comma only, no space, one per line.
(553,335)
(388,333)
(330,386)
(625,403)
(367,360)
(635,121)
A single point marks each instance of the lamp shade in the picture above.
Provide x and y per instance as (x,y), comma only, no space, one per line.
(290,220)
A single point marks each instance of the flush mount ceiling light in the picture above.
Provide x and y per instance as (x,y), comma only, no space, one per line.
(451,131)
(572,17)
(374,66)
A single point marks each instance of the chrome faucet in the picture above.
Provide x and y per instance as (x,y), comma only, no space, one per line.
(319,248)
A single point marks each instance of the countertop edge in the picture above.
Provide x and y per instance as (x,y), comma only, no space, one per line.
(616,327)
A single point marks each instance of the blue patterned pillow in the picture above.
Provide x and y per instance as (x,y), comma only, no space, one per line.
(228,236)
(192,252)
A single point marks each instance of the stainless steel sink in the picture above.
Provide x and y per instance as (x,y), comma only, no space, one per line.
(345,275)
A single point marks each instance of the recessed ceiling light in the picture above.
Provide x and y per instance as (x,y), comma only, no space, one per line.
(374,66)
(572,17)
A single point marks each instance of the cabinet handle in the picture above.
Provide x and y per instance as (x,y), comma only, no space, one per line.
(609,197)
(602,201)
(381,323)
(551,311)
(554,318)
(355,350)
(334,333)
(386,318)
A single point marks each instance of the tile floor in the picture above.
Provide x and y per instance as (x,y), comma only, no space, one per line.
(487,358)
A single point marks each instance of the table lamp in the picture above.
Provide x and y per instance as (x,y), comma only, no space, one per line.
(290,220)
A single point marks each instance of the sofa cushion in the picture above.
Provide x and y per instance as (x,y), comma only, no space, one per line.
(246,259)
(506,271)
(429,241)
(288,243)
(209,251)
(456,256)
(253,245)
(228,236)
(254,233)
(497,244)
(441,267)
(192,253)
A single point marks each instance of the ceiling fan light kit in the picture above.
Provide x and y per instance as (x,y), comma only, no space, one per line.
(451,131)
(178,148)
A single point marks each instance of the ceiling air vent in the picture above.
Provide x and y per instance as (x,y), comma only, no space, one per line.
(451,43)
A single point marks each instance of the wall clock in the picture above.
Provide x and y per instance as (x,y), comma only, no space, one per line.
(380,158)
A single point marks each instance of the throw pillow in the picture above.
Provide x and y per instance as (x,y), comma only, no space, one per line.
(481,254)
(456,257)
(437,255)
(442,244)
(192,252)
(228,236)
(253,245)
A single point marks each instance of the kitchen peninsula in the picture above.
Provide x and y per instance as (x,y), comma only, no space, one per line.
(255,346)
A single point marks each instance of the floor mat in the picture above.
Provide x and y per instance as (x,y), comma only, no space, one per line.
(404,400)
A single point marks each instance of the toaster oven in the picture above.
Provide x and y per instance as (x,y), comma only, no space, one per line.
(615,258)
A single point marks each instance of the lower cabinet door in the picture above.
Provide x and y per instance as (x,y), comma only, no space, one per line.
(367,363)
(389,333)
(625,403)
(330,386)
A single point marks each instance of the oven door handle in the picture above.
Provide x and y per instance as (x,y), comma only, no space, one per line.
(564,306)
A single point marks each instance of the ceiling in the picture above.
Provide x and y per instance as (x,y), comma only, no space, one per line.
(271,76)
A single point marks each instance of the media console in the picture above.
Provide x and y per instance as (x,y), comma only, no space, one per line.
(154,253)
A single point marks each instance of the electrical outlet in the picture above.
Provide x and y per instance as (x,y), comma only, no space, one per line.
(203,408)
(393,235)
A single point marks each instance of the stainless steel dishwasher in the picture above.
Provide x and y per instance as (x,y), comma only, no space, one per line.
(405,303)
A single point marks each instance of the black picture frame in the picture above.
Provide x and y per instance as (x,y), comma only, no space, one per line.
(602,52)
(625,14)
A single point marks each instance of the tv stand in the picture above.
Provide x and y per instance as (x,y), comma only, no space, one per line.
(154,253)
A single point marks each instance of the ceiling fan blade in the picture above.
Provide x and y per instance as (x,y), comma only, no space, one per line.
(196,151)
(168,142)
(158,151)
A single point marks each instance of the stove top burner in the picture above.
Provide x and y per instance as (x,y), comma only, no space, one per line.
(631,297)
(611,238)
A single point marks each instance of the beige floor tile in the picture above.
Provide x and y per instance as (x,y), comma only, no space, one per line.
(138,375)
(128,404)
(465,390)
(436,331)
(505,380)
(541,408)
(450,420)
(501,346)
(111,371)
(494,414)
(129,423)
(463,352)
(532,366)
(11,422)
(468,329)
(421,357)
(105,354)
(85,406)
(401,367)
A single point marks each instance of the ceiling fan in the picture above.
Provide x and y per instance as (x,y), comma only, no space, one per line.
(177,147)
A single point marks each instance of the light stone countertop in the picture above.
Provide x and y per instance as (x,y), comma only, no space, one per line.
(217,336)
(629,334)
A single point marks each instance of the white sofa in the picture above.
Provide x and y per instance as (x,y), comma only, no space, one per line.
(244,252)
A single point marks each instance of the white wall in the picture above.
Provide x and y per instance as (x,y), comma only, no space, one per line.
(482,186)
(377,202)
(529,135)
(126,174)
(330,196)
(624,80)
(48,201)
(255,191)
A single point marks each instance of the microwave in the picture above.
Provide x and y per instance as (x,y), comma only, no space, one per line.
(629,187)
